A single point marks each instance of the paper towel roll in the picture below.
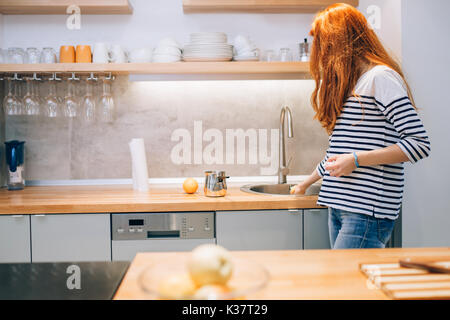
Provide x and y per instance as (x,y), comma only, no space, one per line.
(138,164)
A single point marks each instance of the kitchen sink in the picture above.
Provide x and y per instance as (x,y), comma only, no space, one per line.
(279,189)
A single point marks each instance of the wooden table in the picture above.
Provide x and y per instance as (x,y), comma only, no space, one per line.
(122,198)
(315,274)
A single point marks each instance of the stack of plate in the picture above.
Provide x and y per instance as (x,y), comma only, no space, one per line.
(208,46)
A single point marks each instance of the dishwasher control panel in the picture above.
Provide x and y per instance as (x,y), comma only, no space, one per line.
(148,226)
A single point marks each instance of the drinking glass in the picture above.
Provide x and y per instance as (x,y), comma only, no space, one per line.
(32,55)
(11,104)
(48,55)
(51,104)
(88,103)
(269,55)
(16,55)
(106,106)
(31,103)
(2,56)
(71,104)
(285,55)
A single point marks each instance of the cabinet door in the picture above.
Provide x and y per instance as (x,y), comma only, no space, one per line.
(70,237)
(315,229)
(123,250)
(15,239)
(259,230)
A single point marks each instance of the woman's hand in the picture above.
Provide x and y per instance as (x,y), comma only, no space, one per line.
(341,165)
(299,189)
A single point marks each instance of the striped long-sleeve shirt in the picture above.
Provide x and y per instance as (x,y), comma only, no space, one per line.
(380,115)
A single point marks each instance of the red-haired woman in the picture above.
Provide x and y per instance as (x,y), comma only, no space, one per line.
(366,106)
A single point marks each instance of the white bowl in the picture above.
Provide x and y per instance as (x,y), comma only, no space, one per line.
(140,55)
(165,58)
(167,50)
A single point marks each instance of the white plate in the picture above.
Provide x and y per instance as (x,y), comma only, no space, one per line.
(215,37)
(201,53)
(206,59)
(208,46)
(245,58)
(208,53)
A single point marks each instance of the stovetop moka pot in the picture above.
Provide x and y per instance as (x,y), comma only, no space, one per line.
(215,184)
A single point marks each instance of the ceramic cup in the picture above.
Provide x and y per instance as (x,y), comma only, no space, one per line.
(101,53)
(67,54)
(118,54)
(83,54)
(141,55)
(248,53)
(243,43)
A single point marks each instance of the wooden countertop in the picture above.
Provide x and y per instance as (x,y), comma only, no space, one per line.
(309,274)
(122,198)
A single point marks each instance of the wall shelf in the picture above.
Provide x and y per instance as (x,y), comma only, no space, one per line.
(60,6)
(221,70)
(259,6)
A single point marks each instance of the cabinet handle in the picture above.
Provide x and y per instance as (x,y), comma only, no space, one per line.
(18,216)
(314,210)
(39,215)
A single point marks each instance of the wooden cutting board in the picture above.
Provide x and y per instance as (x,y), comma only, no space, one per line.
(411,278)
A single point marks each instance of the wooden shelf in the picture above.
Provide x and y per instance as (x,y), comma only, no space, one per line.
(259,6)
(233,69)
(60,6)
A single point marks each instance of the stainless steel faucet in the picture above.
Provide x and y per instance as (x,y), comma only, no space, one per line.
(283,169)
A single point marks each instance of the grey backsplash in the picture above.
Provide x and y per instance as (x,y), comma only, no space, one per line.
(72,149)
(2,140)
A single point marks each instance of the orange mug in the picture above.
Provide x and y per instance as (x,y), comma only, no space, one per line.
(83,54)
(67,54)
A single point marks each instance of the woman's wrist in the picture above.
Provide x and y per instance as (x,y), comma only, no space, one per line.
(361,158)
(355,156)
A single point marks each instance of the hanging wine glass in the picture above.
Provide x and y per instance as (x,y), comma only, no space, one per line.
(31,103)
(71,104)
(10,101)
(106,107)
(12,106)
(88,102)
(52,107)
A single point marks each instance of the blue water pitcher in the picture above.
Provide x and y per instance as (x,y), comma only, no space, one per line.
(15,156)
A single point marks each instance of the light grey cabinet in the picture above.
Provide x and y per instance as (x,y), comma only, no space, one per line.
(70,237)
(315,229)
(126,249)
(259,230)
(15,238)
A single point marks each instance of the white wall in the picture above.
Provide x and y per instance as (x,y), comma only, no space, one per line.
(390,29)
(1,30)
(426,44)
(155,19)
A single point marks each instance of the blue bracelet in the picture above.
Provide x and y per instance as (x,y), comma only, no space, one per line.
(356,159)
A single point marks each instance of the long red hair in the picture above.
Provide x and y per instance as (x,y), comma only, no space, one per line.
(344,46)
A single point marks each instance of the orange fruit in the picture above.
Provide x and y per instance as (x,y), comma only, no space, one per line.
(190,185)
(176,286)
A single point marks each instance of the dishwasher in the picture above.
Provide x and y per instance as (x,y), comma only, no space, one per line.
(158,232)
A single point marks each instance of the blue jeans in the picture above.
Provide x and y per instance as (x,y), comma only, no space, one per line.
(350,230)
